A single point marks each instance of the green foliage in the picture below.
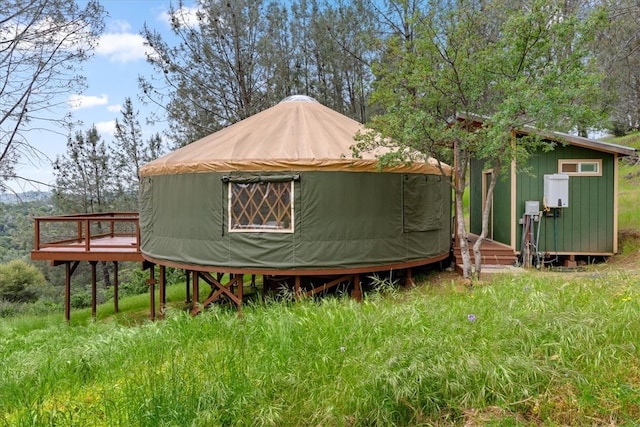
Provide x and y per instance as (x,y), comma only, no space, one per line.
(16,227)
(246,55)
(84,175)
(528,350)
(137,280)
(19,281)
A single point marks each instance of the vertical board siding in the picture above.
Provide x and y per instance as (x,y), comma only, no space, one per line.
(586,225)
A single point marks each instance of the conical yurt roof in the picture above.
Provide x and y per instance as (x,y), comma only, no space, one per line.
(297,134)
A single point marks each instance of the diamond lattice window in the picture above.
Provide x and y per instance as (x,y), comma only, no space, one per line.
(261,207)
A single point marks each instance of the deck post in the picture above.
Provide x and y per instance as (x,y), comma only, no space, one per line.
(93,288)
(409,279)
(296,288)
(357,288)
(36,243)
(163,289)
(240,293)
(79,236)
(87,237)
(152,291)
(70,268)
(187,286)
(67,291)
(195,298)
(116,283)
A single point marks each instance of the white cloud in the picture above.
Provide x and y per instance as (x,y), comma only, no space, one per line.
(118,26)
(86,101)
(106,127)
(121,47)
(114,108)
(185,15)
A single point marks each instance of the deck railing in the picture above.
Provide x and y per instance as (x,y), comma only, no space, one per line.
(88,231)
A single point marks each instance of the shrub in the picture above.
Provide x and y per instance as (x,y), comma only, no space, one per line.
(81,300)
(7,308)
(19,281)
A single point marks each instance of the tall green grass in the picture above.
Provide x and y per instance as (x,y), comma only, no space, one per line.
(629,180)
(527,349)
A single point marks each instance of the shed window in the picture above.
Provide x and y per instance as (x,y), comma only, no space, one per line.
(263,206)
(574,167)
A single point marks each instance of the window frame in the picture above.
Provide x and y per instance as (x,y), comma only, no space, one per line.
(262,228)
(579,163)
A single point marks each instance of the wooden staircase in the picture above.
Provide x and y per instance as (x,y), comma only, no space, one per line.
(493,253)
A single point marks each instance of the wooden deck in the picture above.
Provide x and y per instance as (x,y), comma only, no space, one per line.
(493,253)
(87,237)
(101,237)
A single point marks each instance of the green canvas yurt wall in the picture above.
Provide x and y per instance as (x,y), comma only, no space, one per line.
(201,205)
(342,220)
(587,226)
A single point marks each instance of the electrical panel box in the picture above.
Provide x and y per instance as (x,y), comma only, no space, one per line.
(556,190)
(532,207)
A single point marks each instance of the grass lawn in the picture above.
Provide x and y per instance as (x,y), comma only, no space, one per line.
(525,349)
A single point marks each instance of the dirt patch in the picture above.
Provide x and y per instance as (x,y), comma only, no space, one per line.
(629,259)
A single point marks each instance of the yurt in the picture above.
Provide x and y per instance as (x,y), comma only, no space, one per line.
(280,194)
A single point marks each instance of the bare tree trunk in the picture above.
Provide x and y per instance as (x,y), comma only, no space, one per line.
(460,172)
(106,277)
(462,237)
(486,210)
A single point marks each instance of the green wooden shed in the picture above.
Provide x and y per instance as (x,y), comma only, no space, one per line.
(565,206)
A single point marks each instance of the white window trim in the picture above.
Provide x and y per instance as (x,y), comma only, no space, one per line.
(578,162)
(260,230)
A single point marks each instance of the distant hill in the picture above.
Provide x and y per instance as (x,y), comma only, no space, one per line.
(28,196)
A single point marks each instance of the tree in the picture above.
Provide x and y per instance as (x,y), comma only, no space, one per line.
(213,76)
(19,281)
(510,66)
(42,44)
(618,53)
(85,180)
(234,59)
(130,152)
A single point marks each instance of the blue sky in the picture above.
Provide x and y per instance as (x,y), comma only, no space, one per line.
(112,75)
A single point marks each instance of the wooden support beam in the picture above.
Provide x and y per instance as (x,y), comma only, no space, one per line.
(70,268)
(152,292)
(163,290)
(409,279)
(296,288)
(93,289)
(329,285)
(221,289)
(187,285)
(195,305)
(240,284)
(116,284)
(357,288)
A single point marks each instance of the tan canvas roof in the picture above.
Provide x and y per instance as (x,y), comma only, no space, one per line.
(297,134)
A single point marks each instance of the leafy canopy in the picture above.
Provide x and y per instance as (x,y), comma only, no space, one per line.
(507,64)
